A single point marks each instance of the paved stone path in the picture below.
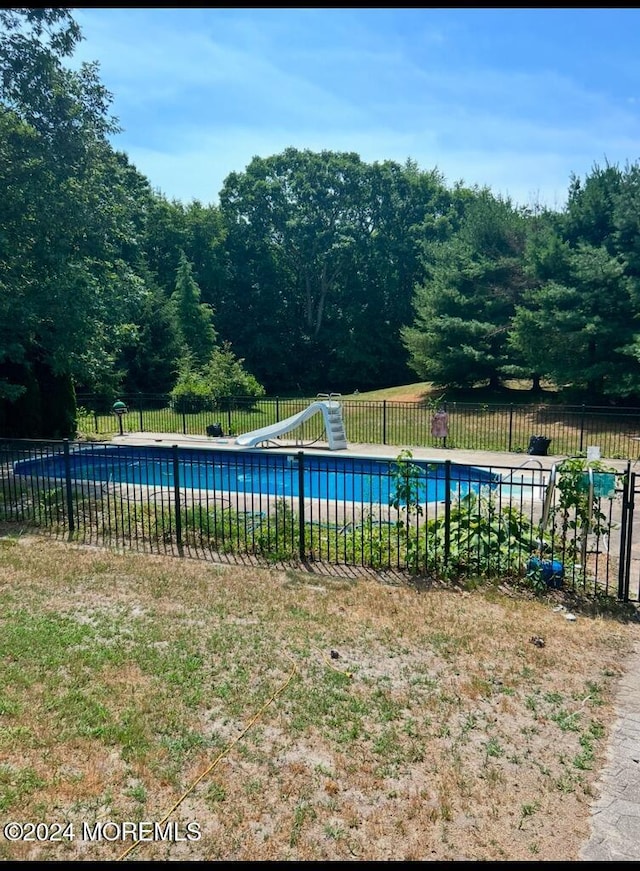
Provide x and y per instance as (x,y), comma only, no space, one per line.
(615,823)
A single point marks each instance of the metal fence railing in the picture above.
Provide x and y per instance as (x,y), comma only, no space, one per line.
(473,426)
(434,520)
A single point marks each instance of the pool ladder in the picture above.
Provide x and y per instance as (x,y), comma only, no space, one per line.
(540,484)
(548,501)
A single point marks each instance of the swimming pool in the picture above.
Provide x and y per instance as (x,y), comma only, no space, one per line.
(348,479)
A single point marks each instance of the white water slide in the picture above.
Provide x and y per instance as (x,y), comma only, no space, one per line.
(330,410)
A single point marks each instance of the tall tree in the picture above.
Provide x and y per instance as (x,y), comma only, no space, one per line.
(475,278)
(591,204)
(573,332)
(205,247)
(290,224)
(296,215)
(194,319)
(402,207)
(150,361)
(324,251)
(67,285)
(580,323)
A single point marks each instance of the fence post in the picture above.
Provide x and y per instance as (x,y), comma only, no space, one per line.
(582,429)
(447,511)
(277,409)
(510,427)
(176,494)
(384,421)
(140,412)
(626,529)
(301,544)
(69,492)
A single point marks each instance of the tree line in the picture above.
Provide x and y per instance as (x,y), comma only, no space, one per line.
(315,271)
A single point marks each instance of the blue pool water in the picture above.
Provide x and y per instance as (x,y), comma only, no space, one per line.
(341,478)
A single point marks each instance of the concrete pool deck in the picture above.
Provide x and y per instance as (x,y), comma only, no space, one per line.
(466,457)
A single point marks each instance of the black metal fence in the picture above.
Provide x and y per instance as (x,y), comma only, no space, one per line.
(473,426)
(432,520)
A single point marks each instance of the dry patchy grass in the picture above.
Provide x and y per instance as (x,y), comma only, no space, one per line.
(422,391)
(294,717)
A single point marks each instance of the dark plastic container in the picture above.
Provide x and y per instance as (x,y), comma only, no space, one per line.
(538,445)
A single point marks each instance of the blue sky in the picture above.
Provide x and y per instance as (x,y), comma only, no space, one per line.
(515,99)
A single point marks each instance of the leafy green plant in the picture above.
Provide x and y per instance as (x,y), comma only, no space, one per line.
(407,479)
(229,380)
(484,537)
(433,403)
(535,576)
(277,535)
(371,541)
(192,391)
(577,511)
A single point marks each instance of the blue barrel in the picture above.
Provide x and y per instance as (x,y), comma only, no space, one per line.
(551,570)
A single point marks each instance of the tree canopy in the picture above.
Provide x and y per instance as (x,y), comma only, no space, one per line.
(321,271)
(67,283)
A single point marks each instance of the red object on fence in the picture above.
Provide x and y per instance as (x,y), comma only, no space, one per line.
(440,425)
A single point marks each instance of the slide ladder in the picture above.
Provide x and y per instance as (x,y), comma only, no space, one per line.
(336,435)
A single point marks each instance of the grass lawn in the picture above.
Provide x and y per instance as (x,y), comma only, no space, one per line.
(479,419)
(290,716)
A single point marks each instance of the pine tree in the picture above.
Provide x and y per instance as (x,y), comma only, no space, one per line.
(194,319)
